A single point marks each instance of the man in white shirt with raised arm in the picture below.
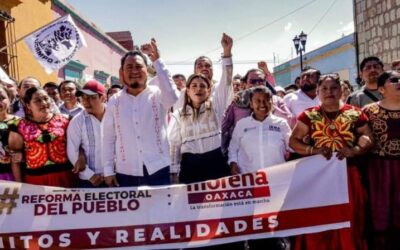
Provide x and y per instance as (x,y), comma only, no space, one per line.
(203,65)
(135,136)
(84,134)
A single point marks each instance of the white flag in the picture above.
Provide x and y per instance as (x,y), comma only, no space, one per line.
(55,44)
(4,77)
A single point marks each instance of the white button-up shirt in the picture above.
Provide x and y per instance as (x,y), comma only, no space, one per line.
(134,128)
(298,101)
(78,135)
(256,145)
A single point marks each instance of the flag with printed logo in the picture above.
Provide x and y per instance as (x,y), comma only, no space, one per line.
(55,44)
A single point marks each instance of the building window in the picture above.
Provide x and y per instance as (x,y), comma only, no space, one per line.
(73,71)
(115,81)
(101,76)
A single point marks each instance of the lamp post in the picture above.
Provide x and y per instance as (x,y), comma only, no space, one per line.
(300,45)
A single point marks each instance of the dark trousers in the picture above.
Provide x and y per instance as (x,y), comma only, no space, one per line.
(202,167)
(161,177)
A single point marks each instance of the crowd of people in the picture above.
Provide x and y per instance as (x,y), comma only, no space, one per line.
(168,129)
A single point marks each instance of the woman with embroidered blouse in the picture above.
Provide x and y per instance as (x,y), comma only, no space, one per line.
(383,168)
(334,127)
(41,137)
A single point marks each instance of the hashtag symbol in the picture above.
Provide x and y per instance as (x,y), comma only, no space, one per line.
(7,200)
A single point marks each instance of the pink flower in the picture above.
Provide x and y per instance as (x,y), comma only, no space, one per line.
(58,132)
(28,130)
(57,126)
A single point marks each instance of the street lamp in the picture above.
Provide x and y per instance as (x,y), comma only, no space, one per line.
(300,45)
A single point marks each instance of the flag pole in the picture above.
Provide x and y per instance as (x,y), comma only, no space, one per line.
(30,33)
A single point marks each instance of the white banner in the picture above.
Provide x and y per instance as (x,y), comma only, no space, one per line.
(55,44)
(304,196)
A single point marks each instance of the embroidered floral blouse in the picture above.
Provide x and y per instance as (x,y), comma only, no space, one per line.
(45,143)
(385,125)
(333,130)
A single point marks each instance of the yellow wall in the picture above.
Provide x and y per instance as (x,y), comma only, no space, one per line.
(30,15)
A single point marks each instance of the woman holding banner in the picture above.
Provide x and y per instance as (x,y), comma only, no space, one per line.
(253,140)
(383,168)
(41,137)
(334,127)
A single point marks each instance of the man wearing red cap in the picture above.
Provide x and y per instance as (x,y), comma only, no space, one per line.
(137,151)
(84,132)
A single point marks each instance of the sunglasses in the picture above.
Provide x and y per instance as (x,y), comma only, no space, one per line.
(256,81)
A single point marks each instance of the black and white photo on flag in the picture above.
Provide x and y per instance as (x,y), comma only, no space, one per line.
(55,44)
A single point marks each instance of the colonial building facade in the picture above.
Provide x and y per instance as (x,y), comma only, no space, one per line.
(99,60)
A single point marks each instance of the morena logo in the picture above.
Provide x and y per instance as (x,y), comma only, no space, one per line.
(244,186)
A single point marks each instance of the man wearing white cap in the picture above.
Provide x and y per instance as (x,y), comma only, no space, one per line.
(280,91)
(84,132)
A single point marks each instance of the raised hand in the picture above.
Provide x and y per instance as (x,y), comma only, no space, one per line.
(263,66)
(227,43)
(151,50)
